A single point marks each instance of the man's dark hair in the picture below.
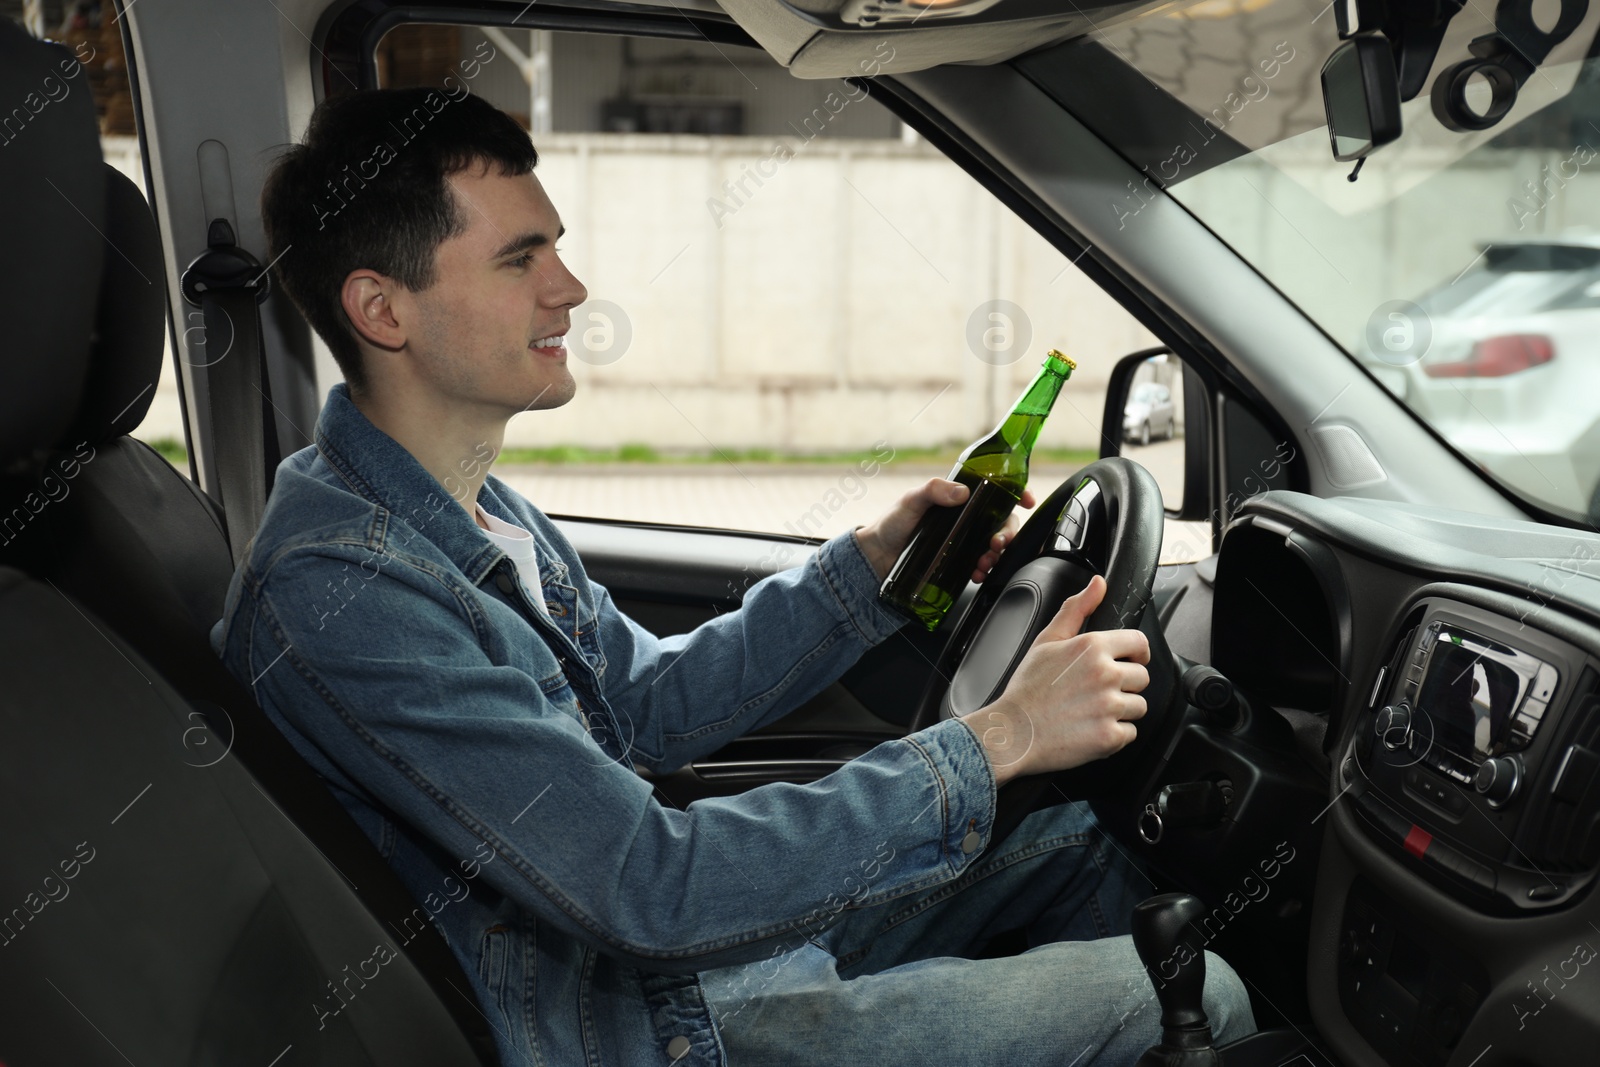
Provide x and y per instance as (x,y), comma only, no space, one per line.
(367,189)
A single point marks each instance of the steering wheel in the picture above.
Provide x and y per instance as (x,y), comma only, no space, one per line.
(1107,519)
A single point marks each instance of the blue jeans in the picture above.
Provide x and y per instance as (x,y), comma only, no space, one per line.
(890,984)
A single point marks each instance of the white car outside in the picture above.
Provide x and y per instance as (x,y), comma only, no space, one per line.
(1149,411)
(1504,361)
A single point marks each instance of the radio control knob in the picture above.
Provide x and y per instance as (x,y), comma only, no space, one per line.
(1394,726)
(1498,779)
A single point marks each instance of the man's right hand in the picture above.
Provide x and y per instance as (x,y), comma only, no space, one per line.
(1072,699)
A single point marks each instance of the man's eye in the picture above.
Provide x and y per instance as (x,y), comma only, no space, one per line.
(520,261)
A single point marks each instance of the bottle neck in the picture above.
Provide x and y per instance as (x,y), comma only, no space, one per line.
(1041,393)
(1021,428)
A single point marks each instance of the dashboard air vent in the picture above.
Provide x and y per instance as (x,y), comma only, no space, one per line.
(1564,822)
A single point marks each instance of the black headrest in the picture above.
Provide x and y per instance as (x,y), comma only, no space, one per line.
(53,203)
(125,359)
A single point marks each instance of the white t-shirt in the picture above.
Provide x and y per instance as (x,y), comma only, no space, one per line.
(517,543)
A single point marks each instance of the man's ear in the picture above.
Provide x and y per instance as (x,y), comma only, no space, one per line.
(368,301)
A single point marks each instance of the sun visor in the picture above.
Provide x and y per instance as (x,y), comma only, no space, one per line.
(861,38)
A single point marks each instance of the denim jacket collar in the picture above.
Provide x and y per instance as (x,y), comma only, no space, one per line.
(383,471)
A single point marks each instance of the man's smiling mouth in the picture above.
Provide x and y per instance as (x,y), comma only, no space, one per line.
(558,340)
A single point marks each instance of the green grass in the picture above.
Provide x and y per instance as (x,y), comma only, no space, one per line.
(556,455)
(171,450)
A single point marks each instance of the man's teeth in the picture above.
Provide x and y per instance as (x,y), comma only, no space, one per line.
(550,342)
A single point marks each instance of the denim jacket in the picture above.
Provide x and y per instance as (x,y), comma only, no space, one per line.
(489,751)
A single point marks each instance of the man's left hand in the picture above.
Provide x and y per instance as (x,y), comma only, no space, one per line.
(884,540)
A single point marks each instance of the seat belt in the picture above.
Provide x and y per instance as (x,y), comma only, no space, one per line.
(228,284)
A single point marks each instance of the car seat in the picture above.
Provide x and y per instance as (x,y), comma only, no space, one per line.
(222,905)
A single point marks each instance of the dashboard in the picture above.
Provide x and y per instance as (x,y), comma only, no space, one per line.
(1452,664)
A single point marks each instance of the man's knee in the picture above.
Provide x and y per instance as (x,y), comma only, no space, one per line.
(1226,1002)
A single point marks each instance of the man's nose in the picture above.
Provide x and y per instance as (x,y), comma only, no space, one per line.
(565,289)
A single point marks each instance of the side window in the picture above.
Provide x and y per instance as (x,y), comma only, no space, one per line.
(87,31)
(798,309)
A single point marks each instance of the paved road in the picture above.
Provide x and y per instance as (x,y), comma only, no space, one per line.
(818,500)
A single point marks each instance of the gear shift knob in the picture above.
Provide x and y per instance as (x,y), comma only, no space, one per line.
(1174,957)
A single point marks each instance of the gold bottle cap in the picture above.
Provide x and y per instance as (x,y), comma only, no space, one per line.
(1071,364)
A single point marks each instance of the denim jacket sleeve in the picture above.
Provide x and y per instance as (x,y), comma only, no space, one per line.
(797,630)
(400,694)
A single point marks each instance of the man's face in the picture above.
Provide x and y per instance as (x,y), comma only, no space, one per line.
(499,288)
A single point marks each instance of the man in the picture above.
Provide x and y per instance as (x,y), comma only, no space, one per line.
(429,640)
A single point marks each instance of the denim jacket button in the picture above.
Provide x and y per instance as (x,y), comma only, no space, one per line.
(678,1048)
(504,582)
(970,843)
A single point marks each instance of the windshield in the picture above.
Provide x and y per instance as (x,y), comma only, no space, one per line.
(1461,268)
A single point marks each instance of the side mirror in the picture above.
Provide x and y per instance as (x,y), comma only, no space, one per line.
(1361,96)
(1156,413)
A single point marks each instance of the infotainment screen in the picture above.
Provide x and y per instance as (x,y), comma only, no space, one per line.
(1472,688)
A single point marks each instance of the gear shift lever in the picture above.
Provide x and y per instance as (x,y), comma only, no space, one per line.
(1174,958)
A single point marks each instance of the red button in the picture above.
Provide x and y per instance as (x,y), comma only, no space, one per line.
(1417,841)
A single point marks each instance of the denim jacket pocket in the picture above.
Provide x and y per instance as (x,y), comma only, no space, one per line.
(492,951)
(505,973)
(496,973)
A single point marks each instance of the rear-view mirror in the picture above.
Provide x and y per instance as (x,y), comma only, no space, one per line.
(1360,93)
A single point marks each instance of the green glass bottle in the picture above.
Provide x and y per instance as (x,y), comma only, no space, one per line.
(945,547)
